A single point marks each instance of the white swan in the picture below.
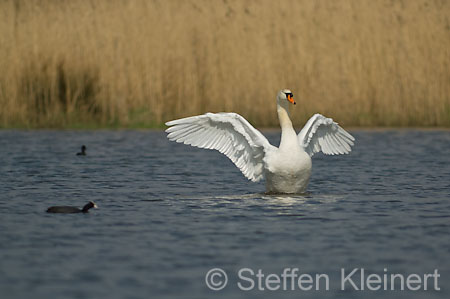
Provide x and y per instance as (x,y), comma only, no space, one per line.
(287,168)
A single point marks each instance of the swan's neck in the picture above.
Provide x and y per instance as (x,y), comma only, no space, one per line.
(288,135)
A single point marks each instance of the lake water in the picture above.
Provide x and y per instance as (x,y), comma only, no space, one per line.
(168,213)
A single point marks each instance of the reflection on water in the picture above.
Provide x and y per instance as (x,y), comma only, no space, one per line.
(168,213)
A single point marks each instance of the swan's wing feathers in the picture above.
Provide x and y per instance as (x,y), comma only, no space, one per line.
(228,133)
(323,134)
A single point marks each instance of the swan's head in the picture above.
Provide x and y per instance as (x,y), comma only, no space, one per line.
(284,96)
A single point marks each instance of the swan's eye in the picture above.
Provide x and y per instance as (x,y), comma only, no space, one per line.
(289,94)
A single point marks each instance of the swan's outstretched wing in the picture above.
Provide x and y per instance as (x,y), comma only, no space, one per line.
(230,134)
(323,134)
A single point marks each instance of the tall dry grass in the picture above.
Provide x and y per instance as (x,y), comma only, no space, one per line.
(137,63)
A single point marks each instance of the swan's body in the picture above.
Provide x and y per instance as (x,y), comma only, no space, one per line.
(287,169)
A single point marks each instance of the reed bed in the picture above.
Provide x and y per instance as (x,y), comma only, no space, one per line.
(139,63)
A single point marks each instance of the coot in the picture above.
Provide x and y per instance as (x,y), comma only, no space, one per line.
(67,210)
(83,151)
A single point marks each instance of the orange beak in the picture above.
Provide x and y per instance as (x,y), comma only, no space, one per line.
(291,99)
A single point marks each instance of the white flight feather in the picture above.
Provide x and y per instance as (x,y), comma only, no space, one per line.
(228,133)
(323,134)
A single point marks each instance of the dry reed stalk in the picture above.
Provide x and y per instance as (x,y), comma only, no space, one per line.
(140,63)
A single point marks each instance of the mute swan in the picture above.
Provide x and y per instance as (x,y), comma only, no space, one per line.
(287,168)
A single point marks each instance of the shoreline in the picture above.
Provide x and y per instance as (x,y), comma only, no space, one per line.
(162,128)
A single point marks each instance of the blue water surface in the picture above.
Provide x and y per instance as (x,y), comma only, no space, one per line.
(169,213)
